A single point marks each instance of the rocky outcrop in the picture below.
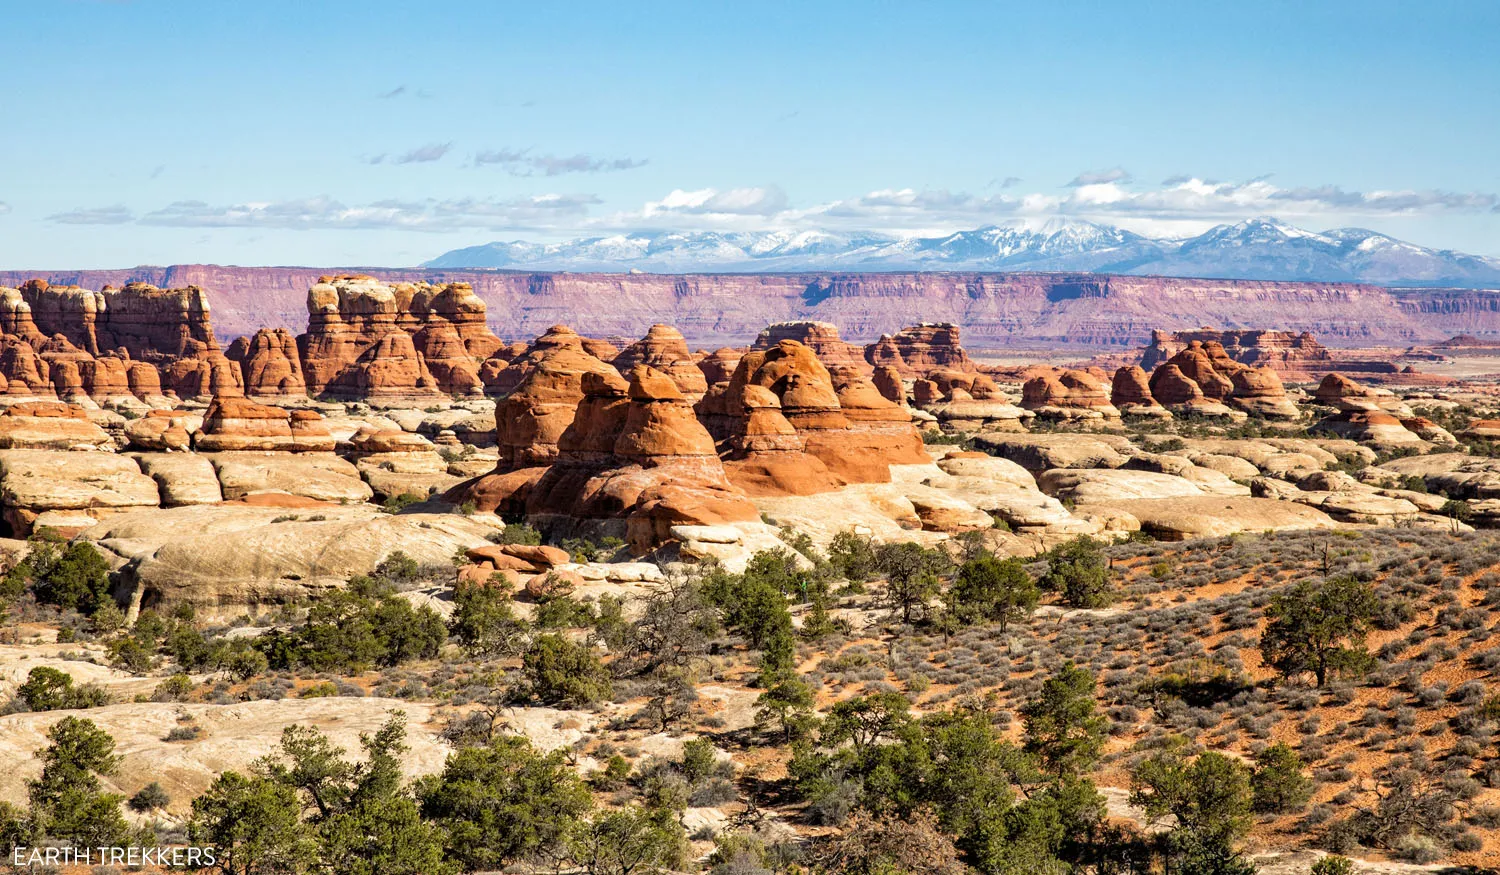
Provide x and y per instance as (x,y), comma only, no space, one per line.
(223,558)
(888,382)
(718,366)
(820,337)
(642,459)
(396,462)
(50,426)
(766,456)
(271,364)
(1259,392)
(239,424)
(915,351)
(389,371)
(542,393)
(664,349)
(993,309)
(1291,353)
(111,346)
(389,341)
(1202,380)
(1067,394)
(1344,394)
(966,401)
(39,488)
(1130,393)
(857,444)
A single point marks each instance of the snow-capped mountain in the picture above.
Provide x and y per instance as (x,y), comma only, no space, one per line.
(1260,248)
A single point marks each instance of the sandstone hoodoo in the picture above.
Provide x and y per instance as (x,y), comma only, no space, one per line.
(664,349)
(820,337)
(966,401)
(1203,380)
(271,364)
(387,342)
(1291,353)
(766,455)
(643,459)
(919,349)
(1067,394)
(112,346)
(1130,392)
(857,444)
(542,391)
(718,366)
(1373,415)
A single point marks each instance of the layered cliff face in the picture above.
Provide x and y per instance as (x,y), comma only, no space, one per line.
(1284,351)
(916,350)
(370,339)
(110,345)
(993,309)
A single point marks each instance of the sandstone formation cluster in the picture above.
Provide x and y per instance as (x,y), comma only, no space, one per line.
(253,472)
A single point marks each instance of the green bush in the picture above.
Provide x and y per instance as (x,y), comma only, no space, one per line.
(49,689)
(77,578)
(1278,782)
(150,796)
(1080,573)
(398,503)
(517,533)
(559,672)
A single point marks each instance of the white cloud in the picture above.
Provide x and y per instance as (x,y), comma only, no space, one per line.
(1180,199)
(766,200)
(4,208)
(114,215)
(1095,177)
(420,155)
(523,163)
(538,212)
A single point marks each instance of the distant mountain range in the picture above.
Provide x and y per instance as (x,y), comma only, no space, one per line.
(1262,248)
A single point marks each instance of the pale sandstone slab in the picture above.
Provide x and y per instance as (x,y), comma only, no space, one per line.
(311,475)
(183,478)
(1186,517)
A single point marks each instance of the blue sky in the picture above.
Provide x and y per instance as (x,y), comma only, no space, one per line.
(386,133)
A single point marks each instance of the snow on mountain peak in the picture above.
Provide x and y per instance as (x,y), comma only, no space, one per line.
(1259,248)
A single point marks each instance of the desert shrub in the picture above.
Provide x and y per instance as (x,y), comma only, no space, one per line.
(1278,783)
(351,630)
(517,533)
(557,671)
(75,577)
(1080,573)
(150,796)
(50,689)
(398,503)
(852,556)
